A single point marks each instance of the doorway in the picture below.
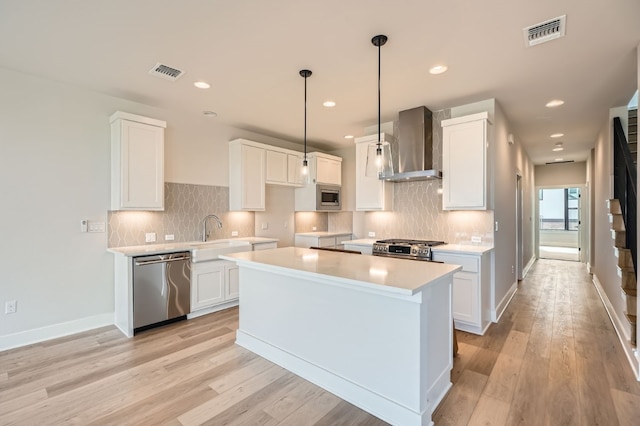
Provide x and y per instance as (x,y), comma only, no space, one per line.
(559,230)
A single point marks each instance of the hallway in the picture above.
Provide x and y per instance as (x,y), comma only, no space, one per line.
(554,358)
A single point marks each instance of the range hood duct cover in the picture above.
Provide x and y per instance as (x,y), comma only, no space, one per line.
(414,149)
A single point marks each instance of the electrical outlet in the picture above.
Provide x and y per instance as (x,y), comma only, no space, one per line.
(265,226)
(372,234)
(496,226)
(150,237)
(83,225)
(476,239)
(234,233)
(313,228)
(169,237)
(96,226)
(513,269)
(10,307)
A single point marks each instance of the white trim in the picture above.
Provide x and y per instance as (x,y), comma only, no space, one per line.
(381,407)
(589,267)
(618,326)
(529,265)
(54,331)
(212,309)
(502,306)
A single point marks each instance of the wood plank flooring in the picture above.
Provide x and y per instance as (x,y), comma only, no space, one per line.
(553,359)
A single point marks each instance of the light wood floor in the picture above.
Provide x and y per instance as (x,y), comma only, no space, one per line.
(552,359)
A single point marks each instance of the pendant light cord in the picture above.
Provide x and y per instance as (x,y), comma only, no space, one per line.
(305,74)
(379,41)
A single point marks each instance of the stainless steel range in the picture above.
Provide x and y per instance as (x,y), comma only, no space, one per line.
(405,249)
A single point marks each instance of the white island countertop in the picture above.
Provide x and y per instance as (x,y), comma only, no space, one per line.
(391,275)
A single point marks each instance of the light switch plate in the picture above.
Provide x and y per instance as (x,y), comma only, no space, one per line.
(169,237)
(372,234)
(150,237)
(234,233)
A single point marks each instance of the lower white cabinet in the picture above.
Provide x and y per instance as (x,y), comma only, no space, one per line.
(471,290)
(307,241)
(264,246)
(213,283)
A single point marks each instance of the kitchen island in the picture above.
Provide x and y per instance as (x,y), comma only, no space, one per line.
(377,332)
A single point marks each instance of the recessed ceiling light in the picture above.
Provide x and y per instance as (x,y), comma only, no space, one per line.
(555,103)
(438,69)
(348,137)
(557,135)
(329,104)
(202,84)
(559,159)
(210,113)
(558,147)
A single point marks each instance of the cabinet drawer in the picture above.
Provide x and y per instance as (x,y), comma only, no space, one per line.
(469,264)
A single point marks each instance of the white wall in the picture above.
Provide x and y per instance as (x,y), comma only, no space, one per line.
(565,174)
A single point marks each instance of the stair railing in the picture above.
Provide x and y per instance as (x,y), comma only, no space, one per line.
(624,186)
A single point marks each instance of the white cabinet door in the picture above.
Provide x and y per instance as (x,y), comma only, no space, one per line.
(294,165)
(264,246)
(328,171)
(466,299)
(137,163)
(232,284)
(464,164)
(277,167)
(246,177)
(207,284)
(372,194)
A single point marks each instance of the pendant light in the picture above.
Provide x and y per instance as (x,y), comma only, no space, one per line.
(305,165)
(383,161)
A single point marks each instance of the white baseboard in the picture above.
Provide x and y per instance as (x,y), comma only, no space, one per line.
(528,266)
(386,409)
(618,326)
(54,331)
(502,306)
(213,309)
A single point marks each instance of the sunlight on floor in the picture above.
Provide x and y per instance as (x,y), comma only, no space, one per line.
(560,253)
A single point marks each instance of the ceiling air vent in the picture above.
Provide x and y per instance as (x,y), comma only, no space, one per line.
(545,31)
(166,72)
(560,162)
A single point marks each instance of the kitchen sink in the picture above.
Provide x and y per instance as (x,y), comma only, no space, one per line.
(210,250)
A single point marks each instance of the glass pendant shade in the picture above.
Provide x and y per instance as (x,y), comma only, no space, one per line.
(379,163)
(305,176)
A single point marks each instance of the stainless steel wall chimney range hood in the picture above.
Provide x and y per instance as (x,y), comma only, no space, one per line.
(413,152)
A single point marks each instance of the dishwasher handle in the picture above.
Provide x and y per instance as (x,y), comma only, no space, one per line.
(151,262)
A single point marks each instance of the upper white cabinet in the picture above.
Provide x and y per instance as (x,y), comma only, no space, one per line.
(325,168)
(283,168)
(464,163)
(246,176)
(137,162)
(372,194)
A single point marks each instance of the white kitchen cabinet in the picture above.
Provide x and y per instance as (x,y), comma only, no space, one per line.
(294,166)
(328,168)
(465,174)
(471,290)
(137,162)
(264,246)
(372,194)
(283,168)
(213,283)
(246,176)
(321,239)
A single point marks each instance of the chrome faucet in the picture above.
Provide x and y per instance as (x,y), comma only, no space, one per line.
(204,225)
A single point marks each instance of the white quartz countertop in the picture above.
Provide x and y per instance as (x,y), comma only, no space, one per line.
(400,276)
(322,234)
(445,248)
(362,242)
(462,248)
(149,249)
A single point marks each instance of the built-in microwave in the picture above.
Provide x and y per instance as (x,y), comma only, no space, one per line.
(328,197)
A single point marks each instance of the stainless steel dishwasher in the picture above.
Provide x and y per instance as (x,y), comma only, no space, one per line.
(161,289)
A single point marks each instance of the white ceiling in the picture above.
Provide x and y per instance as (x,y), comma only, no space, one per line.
(251,51)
